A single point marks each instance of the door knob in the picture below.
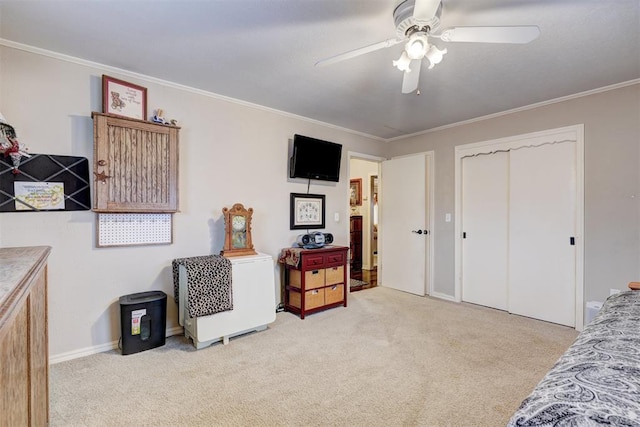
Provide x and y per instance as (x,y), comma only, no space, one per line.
(417,231)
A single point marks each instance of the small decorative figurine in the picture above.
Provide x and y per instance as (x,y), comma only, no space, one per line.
(158,118)
(10,146)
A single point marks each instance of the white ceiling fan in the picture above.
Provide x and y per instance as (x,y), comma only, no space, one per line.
(416,22)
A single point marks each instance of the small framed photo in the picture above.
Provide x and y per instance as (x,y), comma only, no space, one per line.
(307,211)
(123,98)
(355,193)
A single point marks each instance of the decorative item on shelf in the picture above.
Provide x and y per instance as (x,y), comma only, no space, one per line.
(159,118)
(10,146)
(123,98)
(307,211)
(237,231)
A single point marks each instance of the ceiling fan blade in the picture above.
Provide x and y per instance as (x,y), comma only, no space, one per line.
(518,34)
(425,10)
(357,52)
(411,79)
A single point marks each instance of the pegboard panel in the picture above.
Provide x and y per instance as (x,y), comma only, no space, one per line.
(134,229)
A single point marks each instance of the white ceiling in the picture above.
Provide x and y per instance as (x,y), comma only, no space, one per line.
(264,51)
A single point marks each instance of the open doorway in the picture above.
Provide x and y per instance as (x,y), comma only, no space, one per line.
(363,222)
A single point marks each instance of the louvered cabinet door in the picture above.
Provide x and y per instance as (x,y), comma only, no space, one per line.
(135,165)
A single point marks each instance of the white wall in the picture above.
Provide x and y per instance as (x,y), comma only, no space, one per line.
(232,152)
(612,181)
(229,152)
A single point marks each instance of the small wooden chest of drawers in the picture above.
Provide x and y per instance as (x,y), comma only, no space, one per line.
(318,282)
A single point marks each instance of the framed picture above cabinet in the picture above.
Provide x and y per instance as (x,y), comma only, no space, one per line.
(123,98)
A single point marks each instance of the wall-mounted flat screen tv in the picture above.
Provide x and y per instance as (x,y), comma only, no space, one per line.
(315,159)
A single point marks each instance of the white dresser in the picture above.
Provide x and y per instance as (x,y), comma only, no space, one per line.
(254,303)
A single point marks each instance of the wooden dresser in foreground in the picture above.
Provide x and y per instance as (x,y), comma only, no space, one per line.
(24,346)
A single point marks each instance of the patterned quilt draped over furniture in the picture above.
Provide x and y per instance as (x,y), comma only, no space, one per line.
(597,381)
(208,284)
(290,256)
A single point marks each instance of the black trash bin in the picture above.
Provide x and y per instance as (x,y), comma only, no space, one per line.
(143,321)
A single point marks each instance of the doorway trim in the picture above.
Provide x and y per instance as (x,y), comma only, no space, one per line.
(575,133)
(352,155)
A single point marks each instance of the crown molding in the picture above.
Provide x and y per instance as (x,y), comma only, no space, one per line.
(519,109)
(151,79)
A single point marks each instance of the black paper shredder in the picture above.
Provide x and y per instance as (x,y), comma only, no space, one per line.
(143,321)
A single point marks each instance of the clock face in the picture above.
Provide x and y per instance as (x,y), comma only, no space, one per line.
(238,223)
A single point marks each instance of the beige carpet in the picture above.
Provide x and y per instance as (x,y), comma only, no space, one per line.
(389,359)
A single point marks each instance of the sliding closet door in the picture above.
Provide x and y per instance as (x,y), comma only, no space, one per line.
(485,220)
(542,221)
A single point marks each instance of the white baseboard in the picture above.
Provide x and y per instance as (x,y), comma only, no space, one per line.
(88,351)
(443,296)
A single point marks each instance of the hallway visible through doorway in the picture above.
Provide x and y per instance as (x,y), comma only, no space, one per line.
(369,280)
(363,222)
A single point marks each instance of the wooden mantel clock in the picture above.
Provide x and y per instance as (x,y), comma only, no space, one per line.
(237,231)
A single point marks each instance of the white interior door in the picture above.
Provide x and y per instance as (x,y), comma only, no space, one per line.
(485,225)
(542,220)
(403,212)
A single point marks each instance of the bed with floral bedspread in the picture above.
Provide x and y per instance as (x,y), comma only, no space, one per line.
(597,381)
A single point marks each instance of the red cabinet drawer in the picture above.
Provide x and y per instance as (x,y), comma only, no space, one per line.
(335,258)
(310,261)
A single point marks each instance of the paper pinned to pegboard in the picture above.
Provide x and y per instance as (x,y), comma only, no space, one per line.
(134,229)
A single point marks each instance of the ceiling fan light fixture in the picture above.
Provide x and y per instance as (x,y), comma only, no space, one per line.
(403,62)
(417,46)
(435,55)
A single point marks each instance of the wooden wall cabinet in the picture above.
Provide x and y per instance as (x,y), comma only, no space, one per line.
(24,345)
(135,165)
(319,282)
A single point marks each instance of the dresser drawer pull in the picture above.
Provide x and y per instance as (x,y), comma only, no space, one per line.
(315,272)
